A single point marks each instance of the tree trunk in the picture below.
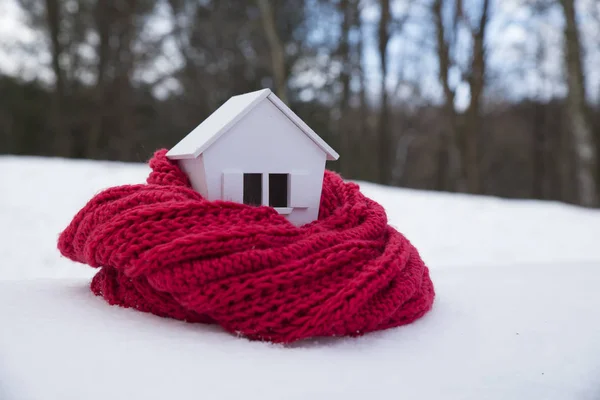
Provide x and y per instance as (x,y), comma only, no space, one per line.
(276,47)
(441,175)
(53,20)
(580,122)
(384,153)
(540,143)
(345,130)
(449,164)
(97,130)
(473,115)
(125,110)
(364,170)
(539,151)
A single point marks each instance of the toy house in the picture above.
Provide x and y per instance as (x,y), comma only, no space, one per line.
(255,150)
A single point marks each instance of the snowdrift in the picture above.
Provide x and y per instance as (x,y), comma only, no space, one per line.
(516,312)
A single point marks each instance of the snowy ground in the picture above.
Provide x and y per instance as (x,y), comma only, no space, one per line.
(516,313)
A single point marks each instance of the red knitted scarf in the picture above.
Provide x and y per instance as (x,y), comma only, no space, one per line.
(162,248)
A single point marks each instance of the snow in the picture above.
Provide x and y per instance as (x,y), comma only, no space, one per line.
(515,317)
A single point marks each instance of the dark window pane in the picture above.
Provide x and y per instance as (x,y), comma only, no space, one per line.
(253,189)
(278,190)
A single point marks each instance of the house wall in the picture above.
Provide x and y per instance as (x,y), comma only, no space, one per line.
(194,168)
(266,141)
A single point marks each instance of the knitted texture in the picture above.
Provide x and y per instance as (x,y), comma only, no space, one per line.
(163,249)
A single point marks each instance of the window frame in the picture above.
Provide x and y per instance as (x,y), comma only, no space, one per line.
(262,183)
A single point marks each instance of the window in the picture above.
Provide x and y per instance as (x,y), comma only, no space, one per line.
(277,186)
(253,189)
(278,190)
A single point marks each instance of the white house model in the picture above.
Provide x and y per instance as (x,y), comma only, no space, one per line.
(255,150)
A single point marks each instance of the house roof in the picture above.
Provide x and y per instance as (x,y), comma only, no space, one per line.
(230,113)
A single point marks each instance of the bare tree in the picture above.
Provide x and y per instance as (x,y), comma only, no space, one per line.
(581,126)
(53,21)
(115,128)
(384,149)
(360,72)
(540,143)
(476,79)
(365,138)
(276,47)
(448,163)
(464,130)
(350,65)
(102,23)
(62,27)
(539,151)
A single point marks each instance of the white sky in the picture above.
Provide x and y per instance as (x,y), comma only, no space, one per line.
(13,31)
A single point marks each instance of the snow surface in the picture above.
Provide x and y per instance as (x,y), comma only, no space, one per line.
(516,314)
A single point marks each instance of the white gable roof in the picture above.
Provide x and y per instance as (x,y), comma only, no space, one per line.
(230,113)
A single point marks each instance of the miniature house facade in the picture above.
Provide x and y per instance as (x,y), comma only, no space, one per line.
(255,150)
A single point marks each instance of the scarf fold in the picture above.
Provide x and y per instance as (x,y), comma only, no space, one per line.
(162,248)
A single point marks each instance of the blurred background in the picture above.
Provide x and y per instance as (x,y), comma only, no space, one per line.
(497,97)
